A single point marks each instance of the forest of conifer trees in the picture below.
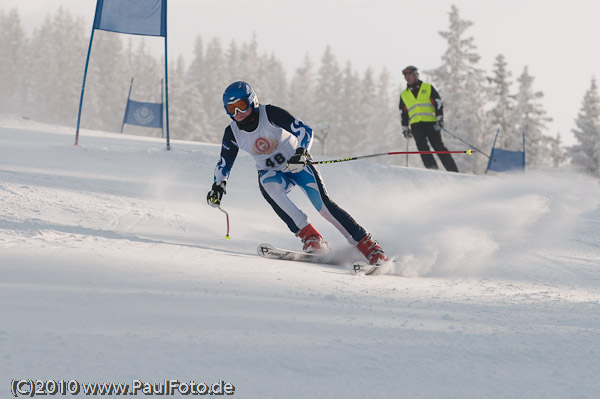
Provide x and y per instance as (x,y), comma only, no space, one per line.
(352,112)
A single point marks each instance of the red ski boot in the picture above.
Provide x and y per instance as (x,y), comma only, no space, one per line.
(372,250)
(312,240)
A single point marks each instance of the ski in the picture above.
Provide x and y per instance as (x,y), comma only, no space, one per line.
(358,268)
(271,252)
(364,268)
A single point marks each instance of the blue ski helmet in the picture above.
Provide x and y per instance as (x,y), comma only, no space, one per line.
(234,93)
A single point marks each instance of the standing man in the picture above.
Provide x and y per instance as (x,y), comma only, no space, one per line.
(422,114)
(279,144)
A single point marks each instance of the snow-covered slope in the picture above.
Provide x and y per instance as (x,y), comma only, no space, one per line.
(114,269)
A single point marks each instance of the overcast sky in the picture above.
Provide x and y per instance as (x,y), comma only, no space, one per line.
(557,40)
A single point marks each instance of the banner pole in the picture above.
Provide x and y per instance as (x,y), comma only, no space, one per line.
(162,106)
(127,105)
(166,83)
(87,62)
(524,164)
(491,155)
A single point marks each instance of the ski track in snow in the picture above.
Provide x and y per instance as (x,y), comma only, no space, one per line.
(114,268)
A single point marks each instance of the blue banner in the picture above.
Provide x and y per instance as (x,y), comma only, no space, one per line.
(144,114)
(136,17)
(504,160)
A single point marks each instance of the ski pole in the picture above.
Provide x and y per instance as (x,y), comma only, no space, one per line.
(469,152)
(227,215)
(407,151)
(462,141)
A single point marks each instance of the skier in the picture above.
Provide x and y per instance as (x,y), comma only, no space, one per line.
(422,108)
(279,144)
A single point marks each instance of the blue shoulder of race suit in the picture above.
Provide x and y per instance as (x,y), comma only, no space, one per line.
(229,151)
(282,118)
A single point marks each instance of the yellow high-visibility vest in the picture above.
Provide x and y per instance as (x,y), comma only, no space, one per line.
(420,109)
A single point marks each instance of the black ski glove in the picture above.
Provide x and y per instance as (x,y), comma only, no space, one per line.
(298,161)
(216,194)
(439,125)
(406,132)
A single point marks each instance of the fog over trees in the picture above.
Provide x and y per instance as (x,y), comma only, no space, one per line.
(352,112)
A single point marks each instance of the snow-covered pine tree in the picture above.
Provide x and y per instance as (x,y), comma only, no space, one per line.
(13,53)
(374,112)
(586,153)
(557,151)
(189,110)
(235,64)
(302,100)
(462,86)
(211,71)
(273,85)
(503,103)
(349,129)
(186,110)
(301,93)
(109,75)
(328,99)
(147,71)
(364,139)
(56,82)
(213,82)
(196,67)
(248,69)
(387,125)
(530,117)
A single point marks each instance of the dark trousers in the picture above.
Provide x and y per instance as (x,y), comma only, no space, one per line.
(423,132)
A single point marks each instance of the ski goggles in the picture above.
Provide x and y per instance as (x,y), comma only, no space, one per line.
(241,105)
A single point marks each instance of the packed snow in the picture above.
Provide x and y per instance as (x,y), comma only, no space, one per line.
(114,269)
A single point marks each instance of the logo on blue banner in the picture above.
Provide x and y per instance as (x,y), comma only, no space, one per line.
(143,115)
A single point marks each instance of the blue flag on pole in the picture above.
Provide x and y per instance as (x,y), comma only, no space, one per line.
(504,160)
(136,17)
(144,114)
